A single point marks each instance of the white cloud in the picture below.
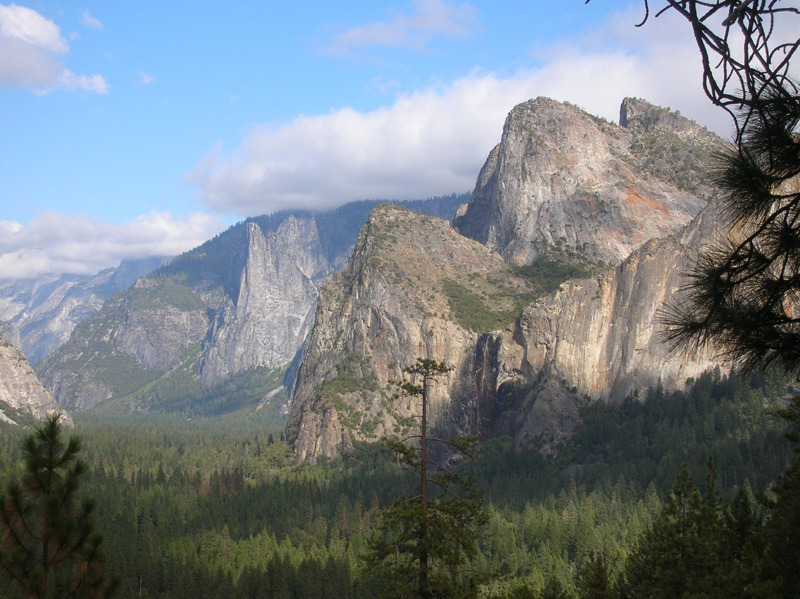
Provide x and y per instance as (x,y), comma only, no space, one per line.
(56,243)
(430,19)
(434,141)
(69,80)
(90,22)
(144,78)
(27,25)
(30,46)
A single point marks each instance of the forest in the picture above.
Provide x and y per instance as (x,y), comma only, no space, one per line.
(216,506)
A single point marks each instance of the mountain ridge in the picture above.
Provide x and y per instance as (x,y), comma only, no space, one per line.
(592,339)
(241,301)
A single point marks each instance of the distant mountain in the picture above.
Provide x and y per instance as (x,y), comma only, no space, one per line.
(562,196)
(38,315)
(239,305)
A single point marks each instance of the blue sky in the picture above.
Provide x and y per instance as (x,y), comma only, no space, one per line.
(130,129)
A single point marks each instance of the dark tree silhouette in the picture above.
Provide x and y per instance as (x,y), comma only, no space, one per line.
(48,547)
(746,48)
(424,540)
(743,295)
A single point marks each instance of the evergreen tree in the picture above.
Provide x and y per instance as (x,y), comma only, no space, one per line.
(742,549)
(782,531)
(554,589)
(679,556)
(49,548)
(424,541)
(594,582)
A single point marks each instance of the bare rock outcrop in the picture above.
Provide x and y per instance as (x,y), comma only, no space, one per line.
(268,319)
(562,178)
(398,299)
(593,339)
(20,389)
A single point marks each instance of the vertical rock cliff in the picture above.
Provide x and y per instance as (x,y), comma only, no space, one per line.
(413,288)
(562,178)
(593,339)
(561,184)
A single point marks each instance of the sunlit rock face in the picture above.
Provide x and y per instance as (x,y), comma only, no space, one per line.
(618,197)
(20,389)
(593,339)
(562,178)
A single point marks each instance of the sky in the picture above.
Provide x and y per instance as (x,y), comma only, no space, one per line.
(132,129)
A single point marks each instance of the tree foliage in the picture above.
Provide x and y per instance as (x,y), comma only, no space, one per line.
(679,556)
(425,540)
(782,528)
(743,294)
(49,548)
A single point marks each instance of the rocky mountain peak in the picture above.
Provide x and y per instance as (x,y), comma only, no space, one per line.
(413,288)
(670,146)
(640,116)
(561,178)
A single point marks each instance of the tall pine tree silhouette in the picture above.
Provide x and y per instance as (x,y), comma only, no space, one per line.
(424,541)
(48,546)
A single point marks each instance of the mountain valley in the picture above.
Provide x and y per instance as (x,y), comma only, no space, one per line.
(544,295)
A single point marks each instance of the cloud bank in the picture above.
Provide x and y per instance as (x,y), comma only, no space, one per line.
(429,19)
(57,243)
(434,141)
(30,51)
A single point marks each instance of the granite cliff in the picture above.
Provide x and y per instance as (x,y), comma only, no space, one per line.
(21,394)
(561,189)
(561,178)
(593,339)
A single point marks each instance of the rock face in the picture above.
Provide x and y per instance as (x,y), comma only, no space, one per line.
(240,302)
(38,315)
(267,320)
(560,183)
(242,299)
(593,339)
(21,393)
(401,296)
(562,178)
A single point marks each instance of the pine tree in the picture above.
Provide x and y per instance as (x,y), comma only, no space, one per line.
(49,548)
(594,582)
(679,556)
(425,540)
(782,559)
